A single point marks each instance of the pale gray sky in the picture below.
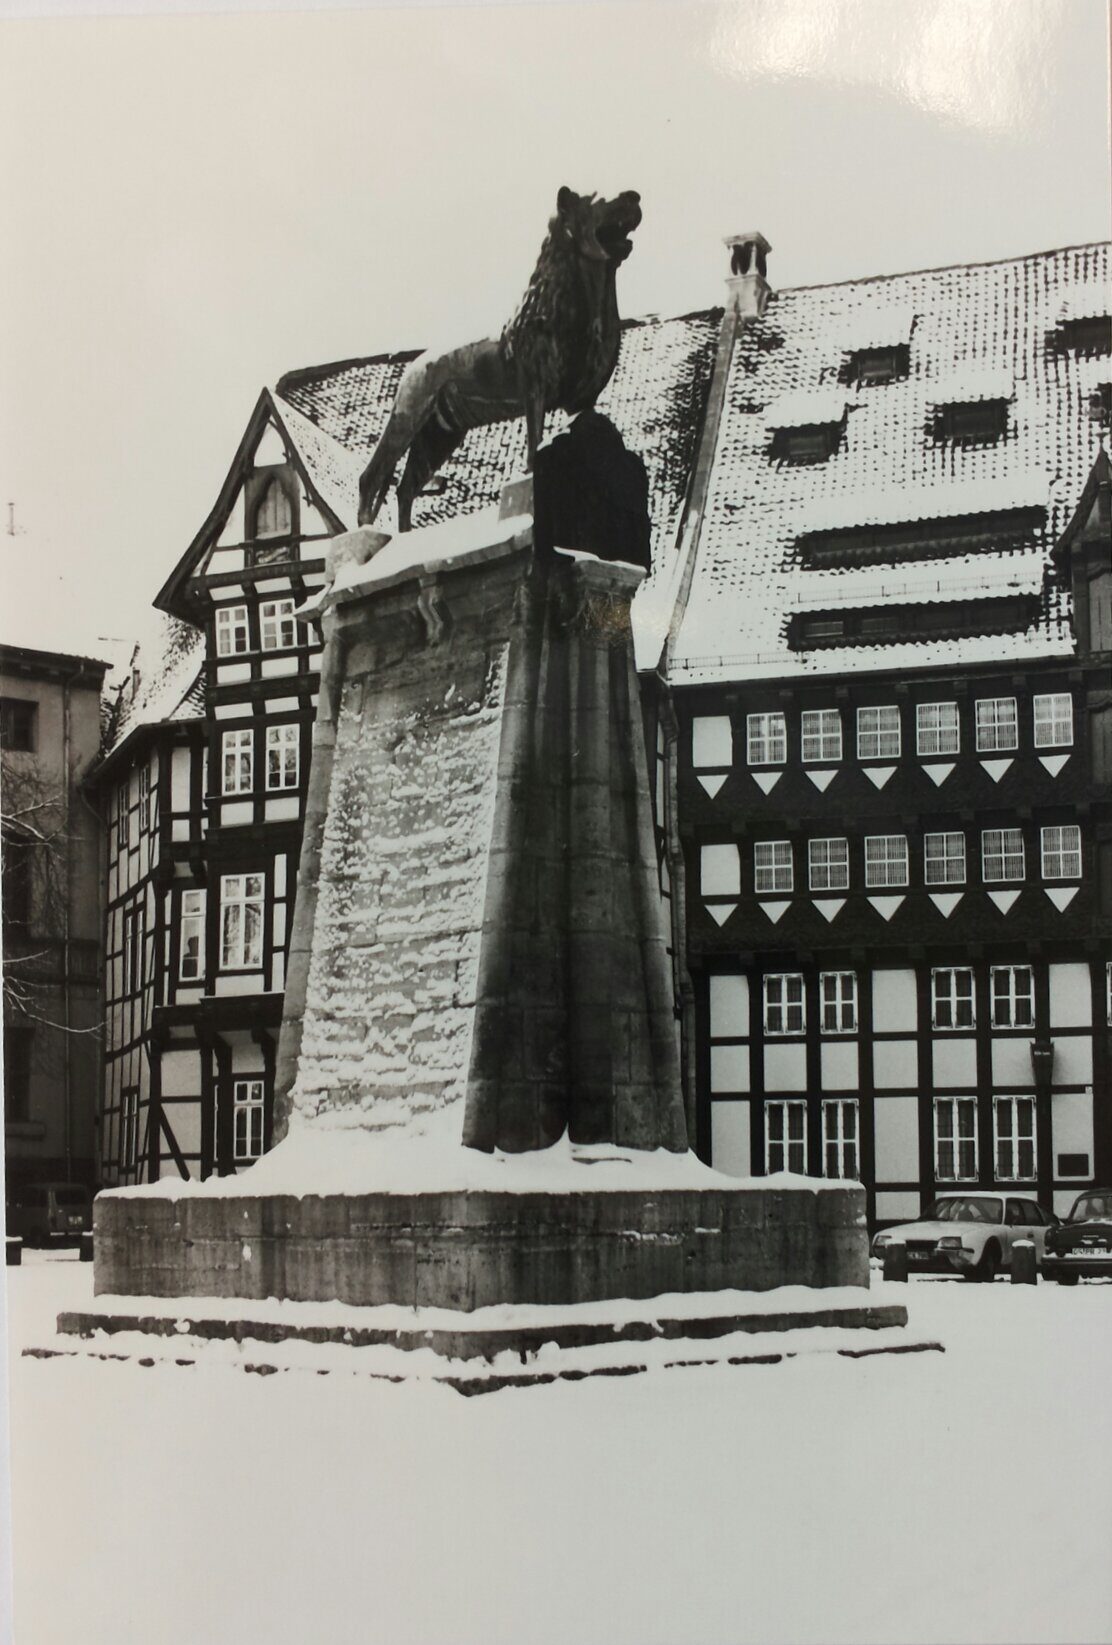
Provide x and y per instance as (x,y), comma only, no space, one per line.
(190,205)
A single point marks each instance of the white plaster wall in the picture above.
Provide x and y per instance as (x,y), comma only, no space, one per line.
(711,740)
(1011,1064)
(1071,999)
(954,1063)
(1071,1125)
(720,870)
(729,1138)
(729,1007)
(894,1001)
(839,1065)
(184,1120)
(895,1064)
(901,1206)
(895,1140)
(181,1073)
(785,1067)
(233,531)
(729,1068)
(1073,1059)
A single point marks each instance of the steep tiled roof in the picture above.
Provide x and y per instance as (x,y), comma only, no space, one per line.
(975,332)
(163,683)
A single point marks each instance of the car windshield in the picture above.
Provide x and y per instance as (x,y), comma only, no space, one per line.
(964,1208)
(1092,1205)
(70,1196)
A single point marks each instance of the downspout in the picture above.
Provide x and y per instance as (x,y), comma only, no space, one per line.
(748,295)
(67,890)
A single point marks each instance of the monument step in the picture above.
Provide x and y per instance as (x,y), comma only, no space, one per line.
(507,1368)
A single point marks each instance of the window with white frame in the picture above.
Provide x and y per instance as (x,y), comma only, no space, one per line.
(840,1137)
(129,1127)
(1054,720)
(123,816)
(1061,852)
(838,1001)
(955,1139)
(786,1136)
(766,739)
(277,628)
(232,633)
(828,864)
(283,756)
(944,859)
(1002,856)
(241,921)
(1012,988)
(248,1113)
(885,860)
(191,946)
(997,725)
(784,1010)
(144,798)
(822,735)
(878,733)
(936,728)
(237,762)
(1014,1128)
(772,866)
(952,997)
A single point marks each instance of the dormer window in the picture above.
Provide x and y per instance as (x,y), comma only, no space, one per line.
(270,515)
(870,367)
(1100,405)
(1086,337)
(274,517)
(971,422)
(813,443)
(806,426)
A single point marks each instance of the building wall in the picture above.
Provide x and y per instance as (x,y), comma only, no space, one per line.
(52,996)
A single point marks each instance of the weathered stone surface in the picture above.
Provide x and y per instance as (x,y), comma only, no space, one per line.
(472,1250)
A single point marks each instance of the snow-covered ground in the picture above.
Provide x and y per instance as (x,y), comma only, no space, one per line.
(929,1497)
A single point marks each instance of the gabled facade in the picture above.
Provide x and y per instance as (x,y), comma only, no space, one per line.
(875,643)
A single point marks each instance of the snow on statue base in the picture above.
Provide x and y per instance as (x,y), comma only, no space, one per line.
(478,1084)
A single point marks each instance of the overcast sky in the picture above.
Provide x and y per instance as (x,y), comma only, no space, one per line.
(191,205)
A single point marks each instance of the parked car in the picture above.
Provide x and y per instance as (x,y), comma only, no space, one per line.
(44,1213)
(970,1234)
(1083,1243)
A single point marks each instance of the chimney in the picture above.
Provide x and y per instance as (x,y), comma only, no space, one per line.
(748,288)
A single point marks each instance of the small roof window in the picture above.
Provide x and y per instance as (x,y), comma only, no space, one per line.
(806,426)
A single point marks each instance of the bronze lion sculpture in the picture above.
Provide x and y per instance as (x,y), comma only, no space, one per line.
(558,352)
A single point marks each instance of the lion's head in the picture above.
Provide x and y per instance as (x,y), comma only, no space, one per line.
(596,229)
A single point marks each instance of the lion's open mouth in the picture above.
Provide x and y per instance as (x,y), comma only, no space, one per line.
(616,221)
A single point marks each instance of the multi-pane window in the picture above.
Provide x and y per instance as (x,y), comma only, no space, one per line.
(144,798)
(944,859)
(936,728)
(772,865)
(1002,855)
(766,739)
(1054,720)
(786,1136)
(123,816)
(248,1111)
(191,964)
(885,860)
(997,725)
(238,762)
(1013,996)
(277,628)
(129,1128)
(838,1001)
(17,725)
(828,864)
(822,734)
(1061,852)
(952,997)
(783,1003)
(840,1132)
(283,756)
(878,733)
(241,921)
(955,1139)
(232,634)
(1014,1127)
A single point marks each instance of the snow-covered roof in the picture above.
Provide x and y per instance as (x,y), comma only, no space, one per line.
(973,380)
(975,327)
(162,683)
(1091,301)
(880,325)
(332,468)
(806,407)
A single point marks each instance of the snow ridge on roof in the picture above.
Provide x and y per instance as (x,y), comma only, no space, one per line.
(165,682)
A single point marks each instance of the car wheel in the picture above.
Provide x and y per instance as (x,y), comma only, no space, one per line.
(989,1264)
(1068,1279)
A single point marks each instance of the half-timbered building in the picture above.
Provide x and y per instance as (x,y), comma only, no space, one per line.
(876,645)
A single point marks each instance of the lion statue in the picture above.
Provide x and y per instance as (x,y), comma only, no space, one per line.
(558,352)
